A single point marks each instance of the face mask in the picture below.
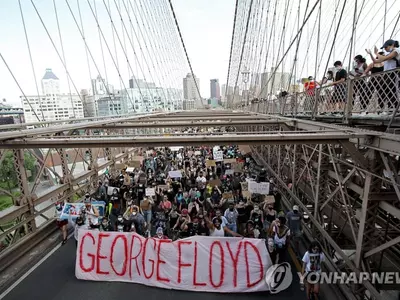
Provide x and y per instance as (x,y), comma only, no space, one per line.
(231,208)
(119,219)
(315,250)
(105,224)
(270,207)
(159,235)
(256,209)
(115,193)
(295,211)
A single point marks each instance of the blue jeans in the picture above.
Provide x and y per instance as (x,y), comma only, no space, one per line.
(147,216)
(232,227)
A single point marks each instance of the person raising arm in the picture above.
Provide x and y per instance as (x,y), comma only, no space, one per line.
(216,228)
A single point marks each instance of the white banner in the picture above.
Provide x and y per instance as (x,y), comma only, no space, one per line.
(204,264)
(259,187)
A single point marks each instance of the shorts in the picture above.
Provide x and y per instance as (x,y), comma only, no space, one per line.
(61,223)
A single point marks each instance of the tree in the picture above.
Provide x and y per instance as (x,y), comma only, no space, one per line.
(8,175)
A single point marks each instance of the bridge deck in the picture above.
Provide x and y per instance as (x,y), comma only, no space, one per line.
(54,279)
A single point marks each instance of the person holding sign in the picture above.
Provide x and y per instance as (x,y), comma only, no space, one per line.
(216,228)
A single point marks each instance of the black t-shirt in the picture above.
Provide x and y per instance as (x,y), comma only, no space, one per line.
(196,230)
(342,74)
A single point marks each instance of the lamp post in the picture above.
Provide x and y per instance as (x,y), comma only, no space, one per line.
(245,79)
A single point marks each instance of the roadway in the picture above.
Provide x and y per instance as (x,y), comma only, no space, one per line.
(54,279)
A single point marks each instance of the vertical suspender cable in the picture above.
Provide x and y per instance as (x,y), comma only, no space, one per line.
(184,49)
(32,65)
(230,55)
(352,34)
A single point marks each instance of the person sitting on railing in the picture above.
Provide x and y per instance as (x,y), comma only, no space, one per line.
(391,61)
(375,84)
(339,92)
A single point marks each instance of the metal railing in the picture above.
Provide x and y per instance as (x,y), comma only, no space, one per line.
(376,95)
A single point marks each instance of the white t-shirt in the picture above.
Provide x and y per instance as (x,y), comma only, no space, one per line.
(201,182)
(391,63)
(313,261)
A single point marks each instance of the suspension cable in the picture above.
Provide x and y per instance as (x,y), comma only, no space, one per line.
(230,55)
(184,48)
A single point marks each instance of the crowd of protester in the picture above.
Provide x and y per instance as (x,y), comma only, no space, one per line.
(205,198)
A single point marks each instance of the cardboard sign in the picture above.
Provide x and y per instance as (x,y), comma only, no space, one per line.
(230,161)
(246,194)
(119,166)
(269,199)
(210,163)
(162,187)
(150,191)
(175,149)
(229,172)
(197,153)
(228,195)
(175,174)
(197,264)
(215,182)
(245,186)
(238,167)
(244,149)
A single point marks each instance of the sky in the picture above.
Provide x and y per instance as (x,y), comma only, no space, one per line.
(146,44)
(206,28)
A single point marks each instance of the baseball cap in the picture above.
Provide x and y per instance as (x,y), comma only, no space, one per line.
(295,207)
(388,43)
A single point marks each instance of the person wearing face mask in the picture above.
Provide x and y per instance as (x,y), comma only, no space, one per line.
(312,261)
(391,61)
(280,233)
(91,213)
(231,215)
(138,220)
(119,224)
(339,92)
(256,216)
(160,234)
(106,225)
(294,219)
(269,215)
(116,201)
(201,183)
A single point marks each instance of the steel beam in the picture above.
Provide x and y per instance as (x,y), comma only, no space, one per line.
(162,141)
(56,129)
(177,123)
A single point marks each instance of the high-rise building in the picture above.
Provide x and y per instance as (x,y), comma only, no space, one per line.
(190,91)
(51,105)
(50,83)
(272,83)
(215,91)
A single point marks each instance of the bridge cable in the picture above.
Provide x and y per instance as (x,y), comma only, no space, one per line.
(19,86)
(184,48)
(32,65)
(243,46)
(63,56)
(295,38)
(231,51)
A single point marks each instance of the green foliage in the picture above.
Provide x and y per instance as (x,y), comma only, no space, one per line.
(8,175)
(6,201)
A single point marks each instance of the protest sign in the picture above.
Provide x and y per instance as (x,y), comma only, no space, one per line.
(74,209)
(150,192)
(204,264)
(261,188)
(175,174)
(218,156)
